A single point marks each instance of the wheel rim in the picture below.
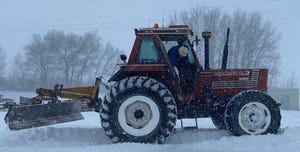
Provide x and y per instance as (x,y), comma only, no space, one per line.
(138,115)
(254,118)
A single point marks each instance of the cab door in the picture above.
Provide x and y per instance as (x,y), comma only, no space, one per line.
(187,70)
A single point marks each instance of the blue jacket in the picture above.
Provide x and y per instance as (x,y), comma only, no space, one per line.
(175,58)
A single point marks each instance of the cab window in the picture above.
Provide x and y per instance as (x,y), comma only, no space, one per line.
(147,52)
(169,44)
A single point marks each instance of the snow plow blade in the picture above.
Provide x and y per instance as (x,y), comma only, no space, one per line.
(30,116)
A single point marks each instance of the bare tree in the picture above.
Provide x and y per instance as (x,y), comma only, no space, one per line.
(109,60)
(2,68)
(22,76)
(2,61)
(69,59)
(65,53)
(290,82)
(253,42)
(40,59)
(90,45)
(74,56)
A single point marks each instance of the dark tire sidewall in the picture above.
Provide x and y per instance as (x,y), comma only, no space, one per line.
(235,105)
(217,113)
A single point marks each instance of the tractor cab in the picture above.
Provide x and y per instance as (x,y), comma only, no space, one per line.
(150,56)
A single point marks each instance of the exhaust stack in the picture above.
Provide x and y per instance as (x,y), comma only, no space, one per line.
(225,51)
(206,35)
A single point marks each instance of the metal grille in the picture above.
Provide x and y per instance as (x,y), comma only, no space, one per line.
(239,83)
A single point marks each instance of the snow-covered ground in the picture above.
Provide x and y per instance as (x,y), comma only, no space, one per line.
(87,135)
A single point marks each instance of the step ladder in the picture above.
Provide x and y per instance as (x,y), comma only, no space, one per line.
(189,127)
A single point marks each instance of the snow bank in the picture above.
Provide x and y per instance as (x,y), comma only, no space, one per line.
(87,135)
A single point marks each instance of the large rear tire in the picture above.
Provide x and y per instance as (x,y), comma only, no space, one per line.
(218,121)
(253,113)
(138,109)
(217,109)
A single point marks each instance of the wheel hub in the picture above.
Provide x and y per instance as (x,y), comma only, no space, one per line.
(138,114)
(254,118)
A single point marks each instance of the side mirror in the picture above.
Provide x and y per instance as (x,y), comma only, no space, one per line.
(123,58)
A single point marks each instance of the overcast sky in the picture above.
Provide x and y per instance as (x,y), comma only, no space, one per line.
(116,19)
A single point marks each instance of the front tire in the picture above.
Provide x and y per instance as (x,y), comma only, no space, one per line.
(138,109)
(253,113)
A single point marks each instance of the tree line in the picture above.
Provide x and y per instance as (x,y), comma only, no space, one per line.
(252,42)
(58,57)
(71,59)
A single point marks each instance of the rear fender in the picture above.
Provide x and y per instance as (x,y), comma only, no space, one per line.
(162,77)
(119,75)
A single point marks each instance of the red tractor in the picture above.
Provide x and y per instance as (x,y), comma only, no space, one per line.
(148,95)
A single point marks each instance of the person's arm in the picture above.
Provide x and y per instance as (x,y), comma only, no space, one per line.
(173,55)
